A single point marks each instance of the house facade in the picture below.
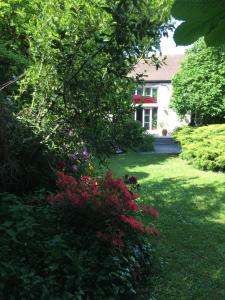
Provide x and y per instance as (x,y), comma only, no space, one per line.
(152,97)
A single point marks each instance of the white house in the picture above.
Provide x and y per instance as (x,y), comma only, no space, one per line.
(152,98)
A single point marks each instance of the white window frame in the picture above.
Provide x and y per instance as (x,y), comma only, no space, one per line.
(150,117)
(147,86)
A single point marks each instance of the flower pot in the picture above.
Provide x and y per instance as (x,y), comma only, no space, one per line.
(164,132)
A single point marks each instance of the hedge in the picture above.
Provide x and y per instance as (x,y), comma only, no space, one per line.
(203,147)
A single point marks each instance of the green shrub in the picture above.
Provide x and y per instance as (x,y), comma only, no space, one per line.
(24,161)
(69,251)
(147,143)
(204,146)
(134,137)
(131,134)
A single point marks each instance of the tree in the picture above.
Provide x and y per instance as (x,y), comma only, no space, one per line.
(76,88)
(201,18)
(77,56)
(199,87)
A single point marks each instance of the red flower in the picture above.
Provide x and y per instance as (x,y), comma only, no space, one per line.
(117,242)
(135,224)
(57,198)
(135,196)
(152,230)
(132,206)
(60,165)
(150,210)
(132,179)
(84,178)
(66,181)
(145,209)
(154,212)
(113,239)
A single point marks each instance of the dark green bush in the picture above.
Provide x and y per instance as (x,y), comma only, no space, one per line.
(131,136)
(44,257)
(204,147)
(135,137)
(147,143)
(24,161)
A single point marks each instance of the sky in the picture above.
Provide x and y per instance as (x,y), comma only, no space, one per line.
(168,46)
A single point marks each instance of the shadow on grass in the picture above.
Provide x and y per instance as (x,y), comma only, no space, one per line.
(192,241)
(123,162)
(187,195)
(192,224)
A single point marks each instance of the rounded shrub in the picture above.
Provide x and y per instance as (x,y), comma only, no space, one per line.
(203,146)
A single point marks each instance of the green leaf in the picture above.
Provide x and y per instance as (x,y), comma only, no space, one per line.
(200,19)
(216,37)
(188,33)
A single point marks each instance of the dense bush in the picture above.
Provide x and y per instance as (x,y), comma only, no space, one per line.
(204,147)
(85,242)
(147,143)
(24,161)
(134,136)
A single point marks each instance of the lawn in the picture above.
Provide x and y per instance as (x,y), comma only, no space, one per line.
(191,202)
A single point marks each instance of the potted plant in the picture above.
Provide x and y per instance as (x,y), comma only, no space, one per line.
(164,132)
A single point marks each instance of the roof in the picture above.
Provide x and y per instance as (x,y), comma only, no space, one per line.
(164,73)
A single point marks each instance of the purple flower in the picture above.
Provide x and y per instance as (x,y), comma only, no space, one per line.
(73,157)
(85,153)
(74,168)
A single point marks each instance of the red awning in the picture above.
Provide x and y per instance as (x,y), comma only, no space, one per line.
(138,99)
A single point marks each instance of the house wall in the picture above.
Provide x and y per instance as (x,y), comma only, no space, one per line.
(167,118)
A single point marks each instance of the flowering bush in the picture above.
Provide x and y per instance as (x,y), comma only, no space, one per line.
(76,164)
(110,209)
(87,243)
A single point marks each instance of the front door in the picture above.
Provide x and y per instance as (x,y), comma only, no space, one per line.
(150,118)
(147,117)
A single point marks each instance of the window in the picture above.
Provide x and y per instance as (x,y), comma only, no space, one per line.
(154,117)
(139,114)
(139,91)
(147,119)
(154,92)
(147,91)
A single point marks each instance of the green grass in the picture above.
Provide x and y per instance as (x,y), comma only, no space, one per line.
(191,202)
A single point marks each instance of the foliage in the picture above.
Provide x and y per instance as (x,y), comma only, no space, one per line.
(79,59)
(82,246)
(204,146)
(24,161)
(192,214)
(134,136)
(109,202)
(199,87)
(147,143)
(200,19)
(14,54)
